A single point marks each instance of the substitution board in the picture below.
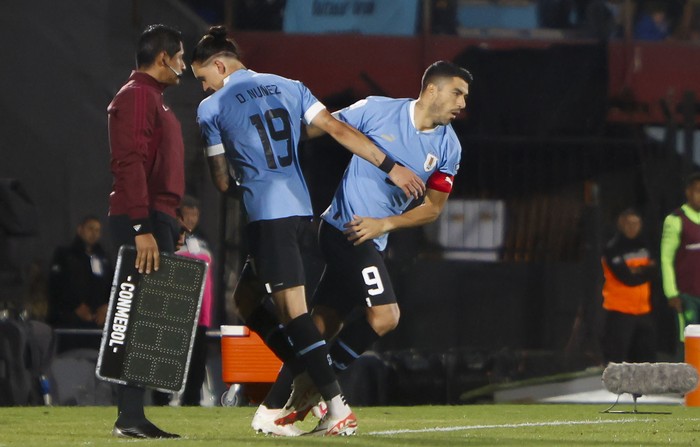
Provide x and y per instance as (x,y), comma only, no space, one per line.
(151,321)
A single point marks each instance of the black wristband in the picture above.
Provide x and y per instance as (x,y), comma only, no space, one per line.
(387,165)
(141,226)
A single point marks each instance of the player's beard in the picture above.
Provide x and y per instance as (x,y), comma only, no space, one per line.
(444,121)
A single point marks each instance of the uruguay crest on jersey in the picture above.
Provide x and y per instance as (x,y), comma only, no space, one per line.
(430,162)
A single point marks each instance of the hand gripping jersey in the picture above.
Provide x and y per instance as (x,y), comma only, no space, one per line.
(365,190)
(255,119)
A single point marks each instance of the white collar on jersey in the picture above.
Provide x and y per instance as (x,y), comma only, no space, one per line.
(412,114)
(228,78)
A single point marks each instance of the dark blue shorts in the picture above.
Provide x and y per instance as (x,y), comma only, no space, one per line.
(354,275)
(276,251)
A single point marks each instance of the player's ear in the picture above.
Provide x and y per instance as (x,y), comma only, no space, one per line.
(220,66)
(162,59)
(432,88)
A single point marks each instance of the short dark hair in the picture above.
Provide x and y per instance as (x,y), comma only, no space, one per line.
(692,178)
(629,212)
(89,218)
(189,202)
(215,41)
(153,40)
(444,69)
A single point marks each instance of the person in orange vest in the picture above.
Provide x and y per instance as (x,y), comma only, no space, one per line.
(629,333)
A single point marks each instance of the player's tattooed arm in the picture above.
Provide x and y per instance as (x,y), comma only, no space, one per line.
(218,168)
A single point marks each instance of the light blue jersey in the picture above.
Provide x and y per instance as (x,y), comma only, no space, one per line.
(255,119)
(389,123)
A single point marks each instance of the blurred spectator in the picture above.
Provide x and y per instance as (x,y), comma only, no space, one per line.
(189,219)
(580,7)
(674,14)
(196,247)
(689,25)
(212,11)
(36,297)
(555,13)
(256,15)
(597,20)
(629,334)
(680,256)
(600,19)
(652,22)
(260,15)
(80,282)
(444,17)
(656,19)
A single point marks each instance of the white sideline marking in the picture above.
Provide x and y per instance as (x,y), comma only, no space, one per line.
(524,424)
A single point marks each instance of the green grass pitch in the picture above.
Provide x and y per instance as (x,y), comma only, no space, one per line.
(425,426)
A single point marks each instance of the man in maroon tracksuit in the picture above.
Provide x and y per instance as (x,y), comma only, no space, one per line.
(149,180)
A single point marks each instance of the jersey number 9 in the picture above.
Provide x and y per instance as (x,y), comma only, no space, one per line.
(372,279)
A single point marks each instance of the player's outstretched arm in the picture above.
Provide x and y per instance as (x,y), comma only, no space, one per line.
(311,132)
(362,229)
(357,143)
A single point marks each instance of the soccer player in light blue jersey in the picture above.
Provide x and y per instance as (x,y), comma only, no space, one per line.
(417,134)
(354,230)
(253,121)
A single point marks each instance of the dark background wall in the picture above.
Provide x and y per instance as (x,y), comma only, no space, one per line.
(62,73)
(64,61)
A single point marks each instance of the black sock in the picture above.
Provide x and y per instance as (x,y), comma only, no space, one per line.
(351,342)
(266,325)
(281,389)
(311,348)
(130,405)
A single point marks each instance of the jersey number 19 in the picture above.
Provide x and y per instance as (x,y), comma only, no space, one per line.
(283,134)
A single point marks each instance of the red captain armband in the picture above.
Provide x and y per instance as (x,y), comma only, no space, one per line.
(440,181)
